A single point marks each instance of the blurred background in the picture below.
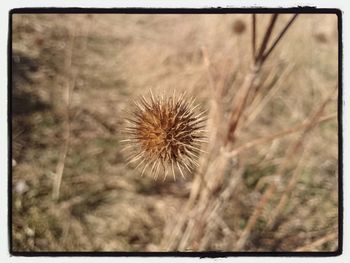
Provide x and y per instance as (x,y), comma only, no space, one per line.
(73,77)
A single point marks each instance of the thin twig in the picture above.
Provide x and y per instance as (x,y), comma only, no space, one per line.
(254,36)
(258,104)
(268,52)
(240,102)
(266,39)
(319,242)
(218,206)
(249,82)
(69,83)
(277,135)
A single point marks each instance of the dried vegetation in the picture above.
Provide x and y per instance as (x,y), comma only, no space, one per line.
(269,179)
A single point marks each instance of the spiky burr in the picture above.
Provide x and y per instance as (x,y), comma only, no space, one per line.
(165,134)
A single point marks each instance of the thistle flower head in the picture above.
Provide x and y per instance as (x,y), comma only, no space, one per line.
(165,134)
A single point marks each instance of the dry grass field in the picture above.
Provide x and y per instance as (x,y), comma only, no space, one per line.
(268,184)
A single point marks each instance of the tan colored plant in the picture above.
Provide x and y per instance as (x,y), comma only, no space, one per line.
(165,132)
(221,170)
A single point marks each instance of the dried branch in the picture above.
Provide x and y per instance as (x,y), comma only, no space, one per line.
(270,138)
(69,84)
(319,242)
(266,38)
(254,36)
(268,52)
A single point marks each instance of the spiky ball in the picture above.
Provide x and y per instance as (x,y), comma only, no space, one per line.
(165,134)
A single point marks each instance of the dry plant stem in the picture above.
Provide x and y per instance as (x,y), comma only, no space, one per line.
(100,120)
(265,56)
(277,135)
(254,36)
(69,83)
(258,105)
(216,110)
(292,150)
(258,58)
(214,121)
(196,231)
(256,93)
(207,195)
(241,98)
(319,242)
(212,124)
(240,103)
(184,233)
(218,205)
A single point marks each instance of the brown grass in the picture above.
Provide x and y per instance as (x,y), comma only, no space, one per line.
(269,180)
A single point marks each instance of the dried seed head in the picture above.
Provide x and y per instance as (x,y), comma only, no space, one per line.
(321,37)
(238,27)
(165,134)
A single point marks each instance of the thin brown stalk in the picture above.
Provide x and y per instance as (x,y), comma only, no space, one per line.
(277,135)
(268,52)
(218,206)
(62,159)
(240,102)
(254,36)
(70,84)
(185,233)
(319,242)
(259,103)
(266,38)
(244,92)
(200,225)
(207,65)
